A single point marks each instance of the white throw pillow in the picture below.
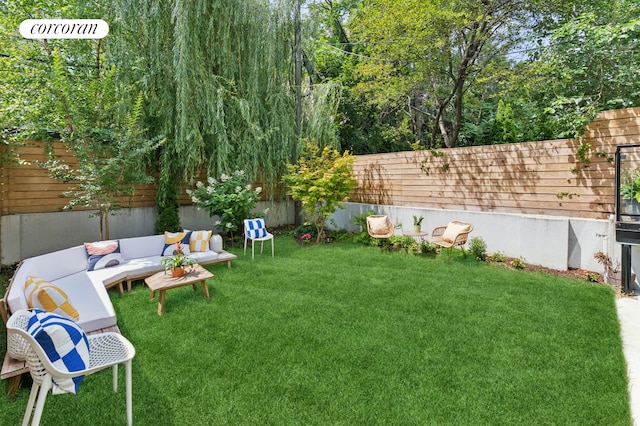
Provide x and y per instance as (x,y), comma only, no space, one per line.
(453,230)
(379,225)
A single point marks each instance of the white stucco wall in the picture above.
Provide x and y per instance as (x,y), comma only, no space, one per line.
(27,235)
(552,241)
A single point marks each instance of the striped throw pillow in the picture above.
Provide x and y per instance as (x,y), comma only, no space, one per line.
(199,241)
(41,294)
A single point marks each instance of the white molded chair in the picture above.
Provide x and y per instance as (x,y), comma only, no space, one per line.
(105,350)
(256,230)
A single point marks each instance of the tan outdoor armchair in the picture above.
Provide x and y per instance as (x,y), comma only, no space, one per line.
(379,226)
(455,234)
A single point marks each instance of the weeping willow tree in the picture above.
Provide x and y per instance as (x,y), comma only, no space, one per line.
(219,87)
(319,109)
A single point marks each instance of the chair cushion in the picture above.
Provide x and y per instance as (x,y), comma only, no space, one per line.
(199,241)
(65,344)
(103,254)
(171,240)
(41,294)
(255,228)
(378,225)
(453,230)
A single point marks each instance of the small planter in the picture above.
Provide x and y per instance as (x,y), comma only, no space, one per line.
(417,224)
(615,279)
(177,272)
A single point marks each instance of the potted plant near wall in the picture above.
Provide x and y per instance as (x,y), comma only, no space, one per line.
(417,223)
(176,262)
(612,272)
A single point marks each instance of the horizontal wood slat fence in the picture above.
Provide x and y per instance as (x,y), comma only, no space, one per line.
(547,178)
(533,178)
(26,188)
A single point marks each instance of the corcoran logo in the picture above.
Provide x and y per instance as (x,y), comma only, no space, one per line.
(64,28)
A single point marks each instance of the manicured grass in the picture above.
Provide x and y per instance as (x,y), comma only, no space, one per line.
(346,334)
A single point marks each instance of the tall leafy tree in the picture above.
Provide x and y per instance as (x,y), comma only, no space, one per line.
(72,89)
(321,180)
(333,57)
(592,64)
(219,86)
(426,54)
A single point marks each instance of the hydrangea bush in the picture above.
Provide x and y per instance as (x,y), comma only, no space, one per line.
(230,197)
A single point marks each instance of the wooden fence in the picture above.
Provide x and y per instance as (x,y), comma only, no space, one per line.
(545,178)
(568,177)
(26,187)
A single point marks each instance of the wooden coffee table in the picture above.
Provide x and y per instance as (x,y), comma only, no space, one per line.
(163,281)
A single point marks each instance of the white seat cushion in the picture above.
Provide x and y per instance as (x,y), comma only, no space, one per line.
(204,257)
(90,299)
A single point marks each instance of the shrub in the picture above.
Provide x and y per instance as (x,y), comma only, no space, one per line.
(305,228)
(498,257)
(321,180)
(361,221)
(401,243)
(518,263)
(592,277)
(478,248)
(231,198)
(167,207)
(427,248)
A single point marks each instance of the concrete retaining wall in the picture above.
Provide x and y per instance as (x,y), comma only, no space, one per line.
(31,234)
(555,242)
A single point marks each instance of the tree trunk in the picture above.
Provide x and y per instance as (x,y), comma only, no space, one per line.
(417,116)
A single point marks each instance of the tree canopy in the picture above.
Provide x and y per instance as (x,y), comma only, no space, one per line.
(436,71)
(217,80)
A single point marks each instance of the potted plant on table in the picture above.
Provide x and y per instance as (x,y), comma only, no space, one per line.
(176,262)
(417,223)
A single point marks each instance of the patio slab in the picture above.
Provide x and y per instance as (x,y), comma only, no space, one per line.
(629,317)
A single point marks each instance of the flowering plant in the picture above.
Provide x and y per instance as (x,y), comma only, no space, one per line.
(306,238)
(231,198)
(177,260)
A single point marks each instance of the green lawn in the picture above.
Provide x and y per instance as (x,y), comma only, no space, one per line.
(343,334)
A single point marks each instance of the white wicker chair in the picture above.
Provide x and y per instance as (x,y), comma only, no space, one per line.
(105,350)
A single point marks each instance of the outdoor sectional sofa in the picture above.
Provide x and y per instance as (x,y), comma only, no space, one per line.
(86,290)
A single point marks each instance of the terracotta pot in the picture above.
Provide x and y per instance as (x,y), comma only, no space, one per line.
(177,272)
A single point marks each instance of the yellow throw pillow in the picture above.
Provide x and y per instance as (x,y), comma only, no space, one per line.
(41,294)
(199,241)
